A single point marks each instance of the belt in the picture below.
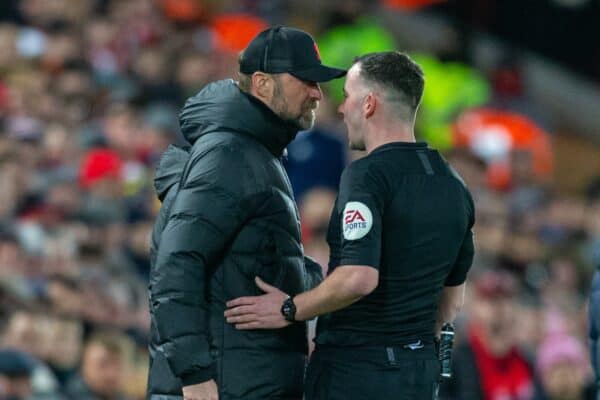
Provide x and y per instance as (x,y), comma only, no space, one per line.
(390,354)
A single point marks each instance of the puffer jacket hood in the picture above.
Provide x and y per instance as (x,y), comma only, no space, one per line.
(169,169)
(222,106)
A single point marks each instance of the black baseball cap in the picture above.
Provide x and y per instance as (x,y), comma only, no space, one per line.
(282,49)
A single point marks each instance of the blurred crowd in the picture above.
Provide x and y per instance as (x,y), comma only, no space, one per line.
(89,96)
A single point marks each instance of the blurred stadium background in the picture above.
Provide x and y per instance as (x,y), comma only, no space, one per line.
(89,96)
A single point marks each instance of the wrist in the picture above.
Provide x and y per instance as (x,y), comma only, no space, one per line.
(288,309)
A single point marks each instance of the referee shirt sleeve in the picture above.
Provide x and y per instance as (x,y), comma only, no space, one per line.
(458,274)
(360,209)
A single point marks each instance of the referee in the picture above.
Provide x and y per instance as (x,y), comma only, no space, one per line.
(401,246)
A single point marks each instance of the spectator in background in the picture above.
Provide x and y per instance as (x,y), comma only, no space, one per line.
(593,253)
(101,177)
(315,209)
(488,365)
(594,325)
(32,335)
(563,370)
(316,158)
(102,372)
(16,368)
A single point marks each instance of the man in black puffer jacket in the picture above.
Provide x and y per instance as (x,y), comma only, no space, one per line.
(228,216)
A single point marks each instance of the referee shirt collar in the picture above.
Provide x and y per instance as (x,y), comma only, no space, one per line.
(401,145)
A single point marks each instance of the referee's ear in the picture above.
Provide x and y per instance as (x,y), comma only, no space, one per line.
(370,105)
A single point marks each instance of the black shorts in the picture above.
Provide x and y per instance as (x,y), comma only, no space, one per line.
(372,373)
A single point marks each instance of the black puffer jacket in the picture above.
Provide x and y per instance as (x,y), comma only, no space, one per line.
(232,219)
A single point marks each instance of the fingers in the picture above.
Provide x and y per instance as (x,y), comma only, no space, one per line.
(241,301)
(245,318)
(250,300)
(240,310)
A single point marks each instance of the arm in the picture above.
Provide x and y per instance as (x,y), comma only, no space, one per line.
(357,254)
(203,218)
(450,303)
(344,286)
(453,294)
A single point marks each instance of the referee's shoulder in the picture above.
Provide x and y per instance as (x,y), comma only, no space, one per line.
(366,174)
(453,173)
(359,167)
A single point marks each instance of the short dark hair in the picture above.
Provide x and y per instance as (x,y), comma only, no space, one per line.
(396,71)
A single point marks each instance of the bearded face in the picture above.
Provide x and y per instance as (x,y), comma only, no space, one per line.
(295,101)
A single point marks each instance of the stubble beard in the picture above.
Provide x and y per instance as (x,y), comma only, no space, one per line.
(357,143)
(304,121)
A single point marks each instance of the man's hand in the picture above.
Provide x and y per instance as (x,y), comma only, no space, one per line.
(201,391)
(258,312)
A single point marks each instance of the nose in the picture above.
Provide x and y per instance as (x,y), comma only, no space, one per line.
(315,91)
(340,108)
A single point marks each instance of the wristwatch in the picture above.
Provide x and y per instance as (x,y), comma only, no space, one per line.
(288,309)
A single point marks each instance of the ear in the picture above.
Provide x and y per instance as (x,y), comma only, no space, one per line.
(262,86)
(369,105)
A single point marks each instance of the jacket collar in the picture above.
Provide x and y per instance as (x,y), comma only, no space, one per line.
(222,105)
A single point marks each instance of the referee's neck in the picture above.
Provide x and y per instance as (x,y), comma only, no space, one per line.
(382,135)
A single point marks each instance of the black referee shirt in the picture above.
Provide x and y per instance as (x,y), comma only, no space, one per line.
(404,211)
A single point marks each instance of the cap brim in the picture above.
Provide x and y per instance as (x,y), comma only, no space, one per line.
(319,73)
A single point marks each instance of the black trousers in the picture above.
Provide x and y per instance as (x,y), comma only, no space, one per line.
(373,373)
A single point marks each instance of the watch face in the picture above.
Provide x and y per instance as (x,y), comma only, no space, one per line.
(288,309)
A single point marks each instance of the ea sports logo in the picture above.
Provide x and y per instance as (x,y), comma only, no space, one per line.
(357,220)
(352,216)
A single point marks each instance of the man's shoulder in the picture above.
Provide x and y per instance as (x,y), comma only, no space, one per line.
(364,176)
(225,143)
(231,161)
(219,159)
(365,169)
(360,166)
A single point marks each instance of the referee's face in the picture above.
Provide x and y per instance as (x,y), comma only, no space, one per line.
(351,108)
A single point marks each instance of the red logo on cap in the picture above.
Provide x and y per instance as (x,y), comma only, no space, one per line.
(353,215)
(317,51)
